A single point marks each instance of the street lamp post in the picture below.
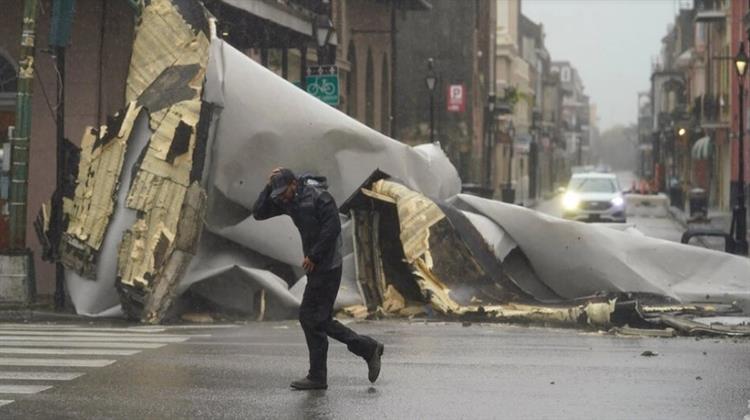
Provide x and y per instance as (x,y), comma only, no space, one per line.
(324,31)
(431,82)
(490,123)
(739,213)
(509,194)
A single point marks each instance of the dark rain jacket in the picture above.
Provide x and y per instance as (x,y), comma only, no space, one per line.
(316,216)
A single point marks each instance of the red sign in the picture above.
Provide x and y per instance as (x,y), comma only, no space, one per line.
(456,98)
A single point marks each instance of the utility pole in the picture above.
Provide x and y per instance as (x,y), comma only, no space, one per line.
(19,166)
(57,202)
(59,37)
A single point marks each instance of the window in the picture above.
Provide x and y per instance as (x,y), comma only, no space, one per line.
(385,98)
(351,82)
(369,91)
(8,76)
(592,185)
(565,74)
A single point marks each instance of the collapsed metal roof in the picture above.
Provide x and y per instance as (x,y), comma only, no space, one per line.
(161,211)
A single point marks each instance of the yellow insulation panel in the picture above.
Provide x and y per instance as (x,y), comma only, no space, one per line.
(162,37)
(416,214)
(160,186)
(97,183)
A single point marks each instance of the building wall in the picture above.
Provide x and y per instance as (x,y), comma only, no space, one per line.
(482,87)
(446,33)
(365,26)
(90,94)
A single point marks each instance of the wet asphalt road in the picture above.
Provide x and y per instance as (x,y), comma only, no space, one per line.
(431,370)
(657,227)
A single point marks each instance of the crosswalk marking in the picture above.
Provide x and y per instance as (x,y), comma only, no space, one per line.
(23,389)
(12,328)
(39,376)
(21,345)
(77,352)
(22,361)
(98,334)
(136,328)
(95,339)
(85,344)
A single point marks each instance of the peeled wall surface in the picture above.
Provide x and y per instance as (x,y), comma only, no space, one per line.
(98,295)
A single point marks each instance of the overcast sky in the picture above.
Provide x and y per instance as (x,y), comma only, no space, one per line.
(610,42)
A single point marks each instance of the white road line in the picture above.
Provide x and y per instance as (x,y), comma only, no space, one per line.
(5,402)
(79,352)
(96,334)
(40,376)
(76,344)
(23,389)
(5,327)
(20,361)
(136,328)
(198,326)
(95,339)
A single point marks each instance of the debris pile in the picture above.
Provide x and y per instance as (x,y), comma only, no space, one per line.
(160,224)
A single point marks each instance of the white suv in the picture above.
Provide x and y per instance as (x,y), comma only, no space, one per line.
(594,197)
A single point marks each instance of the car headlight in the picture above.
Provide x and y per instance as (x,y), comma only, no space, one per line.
(618,201)
(571,201)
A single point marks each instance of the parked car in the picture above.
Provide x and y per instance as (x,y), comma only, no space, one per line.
(594,197)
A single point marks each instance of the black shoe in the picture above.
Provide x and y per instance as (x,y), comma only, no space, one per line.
(373,364)
(307,383)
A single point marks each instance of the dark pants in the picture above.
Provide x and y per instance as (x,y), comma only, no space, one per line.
(316,318)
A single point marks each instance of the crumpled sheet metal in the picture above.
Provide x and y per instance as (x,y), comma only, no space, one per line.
(577,259)
(266,121)
(645,300)
(318,139)
(260,121)
(239,154)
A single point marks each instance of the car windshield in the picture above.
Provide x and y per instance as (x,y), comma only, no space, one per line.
(592,185)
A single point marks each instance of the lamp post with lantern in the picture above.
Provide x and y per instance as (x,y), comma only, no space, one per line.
(431,82)
(324,32)
(489,139)
(739,212)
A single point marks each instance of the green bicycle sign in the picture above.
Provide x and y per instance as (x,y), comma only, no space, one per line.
(323,83)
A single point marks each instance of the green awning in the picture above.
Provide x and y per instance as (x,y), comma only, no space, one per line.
(702,148)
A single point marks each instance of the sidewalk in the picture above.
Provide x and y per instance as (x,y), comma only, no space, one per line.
(716,220)
(36,312)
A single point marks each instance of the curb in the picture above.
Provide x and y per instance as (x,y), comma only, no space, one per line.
(32,315)
(679,216)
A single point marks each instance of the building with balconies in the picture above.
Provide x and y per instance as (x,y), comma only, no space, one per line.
(574,113)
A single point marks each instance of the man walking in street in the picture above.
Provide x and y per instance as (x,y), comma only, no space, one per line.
(315,214)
